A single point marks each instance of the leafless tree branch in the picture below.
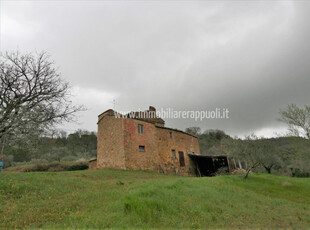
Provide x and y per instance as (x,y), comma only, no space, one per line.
(32,93)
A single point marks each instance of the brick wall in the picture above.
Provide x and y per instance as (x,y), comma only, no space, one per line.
(92,164)
(180,142)
(110,143)
(118,146)
(148,160)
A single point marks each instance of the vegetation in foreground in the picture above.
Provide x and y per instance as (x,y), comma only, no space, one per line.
(131,199)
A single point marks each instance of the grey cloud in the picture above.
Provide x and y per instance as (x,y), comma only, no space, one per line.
(251,57)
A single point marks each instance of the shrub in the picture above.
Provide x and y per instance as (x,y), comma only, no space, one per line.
(56,167)
(52,167)
(41,167)
(300,173)
(77,167)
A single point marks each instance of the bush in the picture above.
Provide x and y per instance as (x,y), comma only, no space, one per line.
(300,173)
(8,161)
(21,154)
(77,167)
(41,167)
(56,167)
(52,167)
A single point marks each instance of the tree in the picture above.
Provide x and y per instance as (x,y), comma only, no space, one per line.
(248,151)
(298,119)
(88,141)
(82,141)
(300,164)
(193,130)
(253,152)
(32,94)
(270,155)
(210,141)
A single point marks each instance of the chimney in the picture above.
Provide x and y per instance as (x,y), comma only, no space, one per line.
(151,108)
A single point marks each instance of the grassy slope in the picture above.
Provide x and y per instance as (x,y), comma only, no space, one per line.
(115,198)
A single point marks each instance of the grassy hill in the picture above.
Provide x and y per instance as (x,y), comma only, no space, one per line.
(138,199)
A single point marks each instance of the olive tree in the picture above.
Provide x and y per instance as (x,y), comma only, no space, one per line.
(271,156)
(245,151)
(253,152)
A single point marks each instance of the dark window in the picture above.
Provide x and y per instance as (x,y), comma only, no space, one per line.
(141,148)
(181,159)
(140,129)
(170,135)
(173,153)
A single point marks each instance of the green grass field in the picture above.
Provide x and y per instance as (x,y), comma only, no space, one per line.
(138,199)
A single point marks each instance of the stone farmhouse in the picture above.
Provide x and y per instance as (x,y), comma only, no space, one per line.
(140,141)
(143,143)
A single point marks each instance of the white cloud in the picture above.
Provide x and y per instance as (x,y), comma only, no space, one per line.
(271,132)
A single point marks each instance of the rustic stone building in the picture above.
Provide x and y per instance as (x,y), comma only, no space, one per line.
(143,143)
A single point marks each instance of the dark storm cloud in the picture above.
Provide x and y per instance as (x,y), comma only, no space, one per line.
(250,57)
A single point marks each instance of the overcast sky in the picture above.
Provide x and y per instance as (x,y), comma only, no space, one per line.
(252,57)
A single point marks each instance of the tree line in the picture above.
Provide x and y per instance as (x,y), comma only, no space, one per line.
(51,146)
(289,155)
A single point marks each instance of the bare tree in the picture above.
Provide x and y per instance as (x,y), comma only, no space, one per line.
(32,94)
(298,119)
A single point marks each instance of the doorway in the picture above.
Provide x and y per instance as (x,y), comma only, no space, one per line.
(181,159)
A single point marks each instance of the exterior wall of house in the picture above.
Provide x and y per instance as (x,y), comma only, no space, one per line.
(136,160)
(118,144)
(110,143)
(180,142)
(92,164)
